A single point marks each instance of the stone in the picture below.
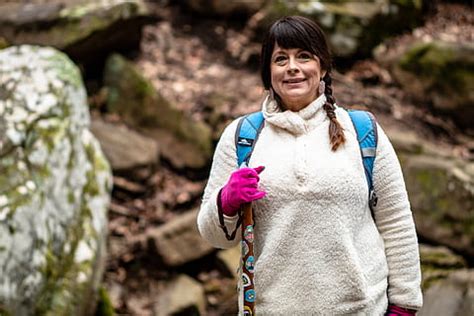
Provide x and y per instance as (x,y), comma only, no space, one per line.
(441,193)
(178,241)
(184,142)
(436,72)
(55,184)
(453,296)
(86,29)
(440,188)
(437,263)
(224,7)
(230,260)
(404,141)
(181,154)
(124,148)
(182,296)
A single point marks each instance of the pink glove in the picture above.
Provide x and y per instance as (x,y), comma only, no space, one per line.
(394,310)
(241,188)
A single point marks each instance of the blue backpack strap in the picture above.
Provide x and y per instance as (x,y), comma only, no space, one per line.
(366,129)
(246,136)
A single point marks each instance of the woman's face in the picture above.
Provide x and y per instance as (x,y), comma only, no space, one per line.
(295,75)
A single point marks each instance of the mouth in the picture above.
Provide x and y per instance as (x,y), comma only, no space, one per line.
(294,80)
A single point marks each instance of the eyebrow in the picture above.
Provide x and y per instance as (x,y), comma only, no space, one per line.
(282,51)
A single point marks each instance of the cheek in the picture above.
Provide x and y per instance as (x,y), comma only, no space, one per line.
(315,77)
(274,75)
(276,80)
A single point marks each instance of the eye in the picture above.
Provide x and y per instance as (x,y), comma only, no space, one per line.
(280,60)
(304,56)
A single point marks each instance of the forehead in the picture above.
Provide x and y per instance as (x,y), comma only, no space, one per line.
(277,50)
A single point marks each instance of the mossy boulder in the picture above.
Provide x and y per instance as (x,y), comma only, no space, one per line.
(224,7)
(55,185)
(437,263)
(443,72)
(353,28)
(85,29)
(183,141)
(62,23)
(436,72)
(453,296)
(441,192)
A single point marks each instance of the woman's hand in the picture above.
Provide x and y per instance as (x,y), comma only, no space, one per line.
(241,188)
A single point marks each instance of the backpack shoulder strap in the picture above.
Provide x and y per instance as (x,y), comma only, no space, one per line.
(366,129)
(246,135)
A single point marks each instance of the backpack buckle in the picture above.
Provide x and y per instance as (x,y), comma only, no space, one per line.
(373,199)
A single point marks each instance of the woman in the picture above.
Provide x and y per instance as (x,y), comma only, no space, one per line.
(318,251)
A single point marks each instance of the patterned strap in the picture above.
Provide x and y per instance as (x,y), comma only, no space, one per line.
(248,260)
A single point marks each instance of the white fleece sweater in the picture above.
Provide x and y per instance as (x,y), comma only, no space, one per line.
(317,248)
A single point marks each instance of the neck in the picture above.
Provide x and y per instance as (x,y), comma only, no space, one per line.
(294,106)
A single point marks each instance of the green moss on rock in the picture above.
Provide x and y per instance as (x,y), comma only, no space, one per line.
(441,194)
(445,75)
(437,263)
(57,186)
(104,306)
(140,104)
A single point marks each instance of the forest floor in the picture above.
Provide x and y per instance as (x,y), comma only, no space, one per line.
(196,63)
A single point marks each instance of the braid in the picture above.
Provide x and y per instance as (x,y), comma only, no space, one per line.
(336,132)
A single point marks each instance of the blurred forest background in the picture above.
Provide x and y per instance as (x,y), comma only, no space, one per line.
(163,78)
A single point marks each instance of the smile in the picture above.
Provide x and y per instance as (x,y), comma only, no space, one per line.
(294,80)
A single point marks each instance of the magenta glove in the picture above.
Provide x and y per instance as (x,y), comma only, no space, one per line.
(241,188)
(394,310)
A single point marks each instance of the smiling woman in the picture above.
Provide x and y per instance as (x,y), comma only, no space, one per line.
(307,42)
(296,74)
(321,246)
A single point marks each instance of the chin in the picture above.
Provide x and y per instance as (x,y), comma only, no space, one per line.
(298,100)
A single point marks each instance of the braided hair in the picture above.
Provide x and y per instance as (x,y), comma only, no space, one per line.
(301,32)
(336,132)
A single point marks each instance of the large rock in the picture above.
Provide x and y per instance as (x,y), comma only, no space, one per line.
(225,7)
(178,241)
(441,189)
(182,296)
(441,192)
(85,29)
(124,148)
(453,296)
(437,72)
(184,142)
(55,185)
(230,260)
(352,27)
(437,263)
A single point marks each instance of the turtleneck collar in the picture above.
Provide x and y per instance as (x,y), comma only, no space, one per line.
(295,122)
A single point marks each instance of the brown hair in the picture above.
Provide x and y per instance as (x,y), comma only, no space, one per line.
(301,32)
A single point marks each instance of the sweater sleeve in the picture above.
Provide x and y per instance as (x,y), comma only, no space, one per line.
(223,163)
(395,223)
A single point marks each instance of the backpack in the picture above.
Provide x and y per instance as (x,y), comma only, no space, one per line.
(250,125)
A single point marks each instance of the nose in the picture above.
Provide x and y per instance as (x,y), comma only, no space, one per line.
(292,66)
